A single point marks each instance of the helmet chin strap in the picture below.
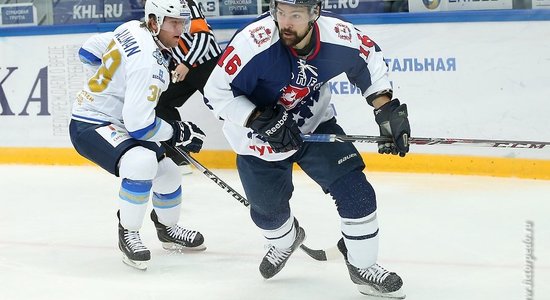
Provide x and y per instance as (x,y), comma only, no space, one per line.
(159,43)
(309,28)
(307,32)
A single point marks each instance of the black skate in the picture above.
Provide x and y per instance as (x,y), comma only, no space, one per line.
(374,280)
(134,253)
(178,238)
(275,258)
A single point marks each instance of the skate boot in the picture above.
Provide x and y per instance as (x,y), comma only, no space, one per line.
(275,258)
(134,253)
(374,280)
(177,238)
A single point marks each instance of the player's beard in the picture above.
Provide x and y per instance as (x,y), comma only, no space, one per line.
(292,40)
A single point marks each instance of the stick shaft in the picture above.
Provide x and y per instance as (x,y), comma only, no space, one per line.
(332,138)
(211,175)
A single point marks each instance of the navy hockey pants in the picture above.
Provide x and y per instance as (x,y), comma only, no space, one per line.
(268,185)
(90,144)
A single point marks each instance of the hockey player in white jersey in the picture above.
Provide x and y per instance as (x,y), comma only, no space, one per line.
(270,86)
(114,125)
(192,61)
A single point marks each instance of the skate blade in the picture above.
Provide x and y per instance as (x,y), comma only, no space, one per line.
(181,248)
(140,265)
(370,291)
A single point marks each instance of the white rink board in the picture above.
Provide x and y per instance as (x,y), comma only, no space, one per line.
(498,87)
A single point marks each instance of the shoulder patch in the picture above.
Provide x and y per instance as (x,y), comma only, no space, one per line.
(160,58)
(343,31)
(260,35)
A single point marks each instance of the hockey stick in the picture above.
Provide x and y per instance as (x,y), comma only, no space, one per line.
(331,138)
(320,255)
(209,174)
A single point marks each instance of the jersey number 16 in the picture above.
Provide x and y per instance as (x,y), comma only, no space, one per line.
(234,62)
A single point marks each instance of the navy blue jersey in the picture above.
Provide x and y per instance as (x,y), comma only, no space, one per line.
(258,70)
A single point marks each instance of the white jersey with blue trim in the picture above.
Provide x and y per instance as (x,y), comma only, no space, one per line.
(93,49)
(258,70)
(127,85)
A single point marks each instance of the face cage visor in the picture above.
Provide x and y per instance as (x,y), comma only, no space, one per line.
(312,16)
(185,15)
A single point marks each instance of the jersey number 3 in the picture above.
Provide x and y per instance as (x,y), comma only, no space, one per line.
(111,61)
(234,62)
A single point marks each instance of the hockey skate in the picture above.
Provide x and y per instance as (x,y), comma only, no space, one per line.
(134,253)
(275,258)
(177,238)
(374,280)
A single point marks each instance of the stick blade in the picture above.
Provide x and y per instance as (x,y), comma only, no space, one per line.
(319,255)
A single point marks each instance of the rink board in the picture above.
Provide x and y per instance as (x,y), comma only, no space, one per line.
(484,80)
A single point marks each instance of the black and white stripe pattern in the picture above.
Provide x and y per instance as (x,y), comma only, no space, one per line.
(199,46)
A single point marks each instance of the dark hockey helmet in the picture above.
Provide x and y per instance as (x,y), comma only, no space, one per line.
(311,4)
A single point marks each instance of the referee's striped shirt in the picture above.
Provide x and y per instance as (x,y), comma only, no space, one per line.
(199,44)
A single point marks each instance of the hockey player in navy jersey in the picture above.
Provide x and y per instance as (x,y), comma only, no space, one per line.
(114,125)
(270,86)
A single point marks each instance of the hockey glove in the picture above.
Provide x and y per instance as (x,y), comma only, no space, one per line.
(393,122)
(278,128)
(187,136)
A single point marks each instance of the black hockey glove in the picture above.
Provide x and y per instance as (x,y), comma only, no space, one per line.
(278,128)
(187,136)
(393,122)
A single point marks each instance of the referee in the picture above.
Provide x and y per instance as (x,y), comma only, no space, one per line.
(193,60)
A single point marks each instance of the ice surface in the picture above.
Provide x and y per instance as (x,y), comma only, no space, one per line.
(449,237)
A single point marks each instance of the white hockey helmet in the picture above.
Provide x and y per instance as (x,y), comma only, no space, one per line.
(167,8)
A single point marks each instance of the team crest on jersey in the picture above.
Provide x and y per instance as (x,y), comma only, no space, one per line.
(159,77)
(160,58)
(260,35)
(343,31)
(292,96)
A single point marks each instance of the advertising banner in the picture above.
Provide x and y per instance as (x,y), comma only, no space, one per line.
(458,80)
(37,87)
(353,6)
(239,7)
(17,14)
(99,11)
(210,8)
(454,5)
(96,11)
(541,4)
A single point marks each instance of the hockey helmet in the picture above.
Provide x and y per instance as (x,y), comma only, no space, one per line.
(167,8)
(311,4)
